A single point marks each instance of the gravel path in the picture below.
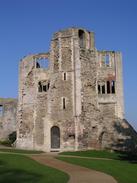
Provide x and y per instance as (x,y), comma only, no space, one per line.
(77,174)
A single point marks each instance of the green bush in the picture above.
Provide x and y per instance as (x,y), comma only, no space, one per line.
(11,139)
(6,143)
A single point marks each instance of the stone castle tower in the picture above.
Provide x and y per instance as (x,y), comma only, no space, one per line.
(71,98)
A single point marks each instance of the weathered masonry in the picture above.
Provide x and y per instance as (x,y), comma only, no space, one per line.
(71,98)
(8,109)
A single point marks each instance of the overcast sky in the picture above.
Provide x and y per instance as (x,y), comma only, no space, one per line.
(26,26)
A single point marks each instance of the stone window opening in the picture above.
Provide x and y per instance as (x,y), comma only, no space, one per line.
(108,87)
(107,60)
(99,89)
(43,86)
(40,87)
(1,110)
(103,89)
(64,76)
(42,63)
(81,35)
(64,103)
(113,86)
(71,136)
(37,65)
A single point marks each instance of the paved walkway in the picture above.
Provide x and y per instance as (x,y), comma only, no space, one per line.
(77,174)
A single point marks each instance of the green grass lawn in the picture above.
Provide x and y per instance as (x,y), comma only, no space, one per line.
(20,151)
(21,169)
(123,170)
(93,153)
(103,154)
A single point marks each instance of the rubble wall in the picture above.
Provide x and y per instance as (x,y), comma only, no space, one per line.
(7,117)
(79,94)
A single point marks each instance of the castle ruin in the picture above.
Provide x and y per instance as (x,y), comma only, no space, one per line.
(71,98)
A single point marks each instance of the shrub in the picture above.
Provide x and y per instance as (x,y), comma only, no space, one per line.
(6,143)
(12,137)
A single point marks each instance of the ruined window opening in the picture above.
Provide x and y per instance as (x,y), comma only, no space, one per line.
(103,89)
(65,76)
(42,87)
(37,65)
(113,86)
(107,62)
(1,110)
(81,35)
(42,63)
(108,87)
(64,103)
(99,89)
(48,85)
(71,136)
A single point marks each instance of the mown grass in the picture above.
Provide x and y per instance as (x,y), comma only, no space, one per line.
(21,169)
(103,154)
(123,170)
(20,151)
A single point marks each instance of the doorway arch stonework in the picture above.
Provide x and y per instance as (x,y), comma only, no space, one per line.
(55,137)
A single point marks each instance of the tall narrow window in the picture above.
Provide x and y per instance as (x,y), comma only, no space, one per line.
(65,76)
(99,89)
(108,87)
(1,110)
(107,60)
(81,34)
(103,89)
(44,88)
(48,85)
(64,103)
(40,87)
(113,86)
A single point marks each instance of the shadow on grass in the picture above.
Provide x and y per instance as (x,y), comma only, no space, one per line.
(128,156)
(18,176)
(14,175)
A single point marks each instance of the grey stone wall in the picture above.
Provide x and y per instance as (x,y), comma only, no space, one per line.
(80,93)
(7,117)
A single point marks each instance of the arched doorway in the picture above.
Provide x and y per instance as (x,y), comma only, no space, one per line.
(55,137)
